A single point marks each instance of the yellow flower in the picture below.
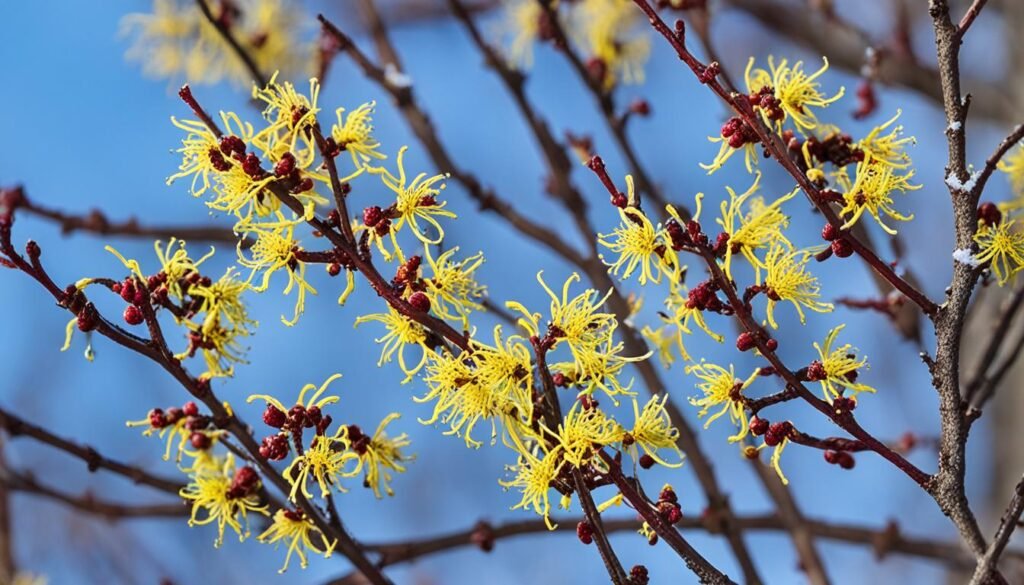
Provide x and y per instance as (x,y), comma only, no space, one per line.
(415,201)
(377,455)
(1013,165)
(317,400)
(776,459)
(680,314)
(491,384)
(1003,246)
(402,332)
(721,387)
(836,369)
(177,41)
(201,154)
(796,91)
(754,229)
(176,264)
(725,152)
(576,321)
(612,30)
(887,149)
(652,430)
(225,320)
(788,279)
(639,245)
(298,530)
(533,477)
(289,115)
(585,430)
(662,342)
(210,492)
(274,250)
(323,462)
(355,134)
(522,24)
(872,191)
(453,290)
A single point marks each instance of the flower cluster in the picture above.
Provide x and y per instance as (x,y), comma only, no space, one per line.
(177,41)
(610,33)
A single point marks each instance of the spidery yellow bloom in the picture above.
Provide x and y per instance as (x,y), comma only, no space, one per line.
(726,150)
(492,384)
(23,578)
(776,459)
(210,492)
(661,340)
(225,320)
(872,191)
(415,201)
(318,399)
(577,321)
(755,228)
(652,430)
(680,313)
(796,91)
(452,288)
(887,149)
(355,134)
(522,27)
(612,30)
(1013,165)
(176,264)
(788,279)
(533,477)
(275,249)
(175,40)
(402,333)
(377,455)
(1003,246)
(837,368)
(289,115)
(639,244)
(298,530)
(721,387)
(585,430)
(200,150)
(322,462)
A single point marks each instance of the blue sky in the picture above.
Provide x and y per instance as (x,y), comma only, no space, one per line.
(84,129)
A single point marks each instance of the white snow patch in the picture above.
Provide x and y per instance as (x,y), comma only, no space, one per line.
(396,78)
(966,257)
(967,186)
(954,126)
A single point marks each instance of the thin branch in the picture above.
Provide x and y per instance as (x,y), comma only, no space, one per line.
(224,29)
(22,482)
(96,222)
(18,427)
(968,19)
(1011,518)
(606,103)
(948,485)
(992,162)
(995,342)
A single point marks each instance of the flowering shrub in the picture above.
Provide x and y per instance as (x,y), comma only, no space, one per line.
(554,386)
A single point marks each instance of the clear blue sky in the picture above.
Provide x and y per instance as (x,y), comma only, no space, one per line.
(84,129)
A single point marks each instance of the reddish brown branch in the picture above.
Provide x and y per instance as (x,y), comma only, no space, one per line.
(18,427)
(23,482)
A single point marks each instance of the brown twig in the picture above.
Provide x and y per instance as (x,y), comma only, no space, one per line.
(96,222)
(883,541)
(1011,519)
(23,482)
(18,427)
